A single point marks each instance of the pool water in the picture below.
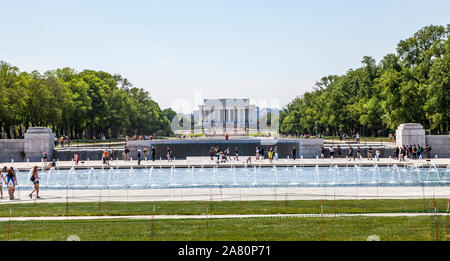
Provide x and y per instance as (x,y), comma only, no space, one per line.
(238,177)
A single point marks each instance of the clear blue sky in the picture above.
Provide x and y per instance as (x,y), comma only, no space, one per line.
(243,49)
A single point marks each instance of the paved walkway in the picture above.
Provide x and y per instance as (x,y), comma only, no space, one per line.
(175,217)
(230,194)
(206,162)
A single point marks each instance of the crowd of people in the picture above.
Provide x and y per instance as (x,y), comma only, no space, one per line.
(413,152)
(271,152)
(407,151)
(61,141)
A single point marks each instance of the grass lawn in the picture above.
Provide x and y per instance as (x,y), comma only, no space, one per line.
(223,207)
(246,229)
(260,228)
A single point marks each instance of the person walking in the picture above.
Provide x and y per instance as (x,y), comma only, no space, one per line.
(236,153)
(377,154)
(227,154)
(358,152)
(2,179)
(145,154)
(76,159)
(35,179)
(414,152)
(270,154)
(125,153)
(106,157)
(331,152)
(11,182)
(169,154)
(369,153)
(350,153)
(153,153)
(211,153)
(261,153)
(257,153)
(139,156)
(294,152)
(427,151)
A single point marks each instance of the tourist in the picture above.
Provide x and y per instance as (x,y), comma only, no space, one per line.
(331,149)
(45,157)
(427,151)
(169,154)
(358,152)
(257,153)
(402,152)
(153,153)
(236,153)
(145,154)
(410,151)
(369,153)
(270,154)
(377,154)
(76,159)
(35,179)
(419,152)
(339,152)
(227,154)
(294,152)
(139,156)
(261,153)
(2,179)
(249,160)
(414,152)
(357,137)
(395,153)
(68,141)
(125,153)
(11,182)
(350,153)
(104,156)
(322,153)
(276,152)
(211,153)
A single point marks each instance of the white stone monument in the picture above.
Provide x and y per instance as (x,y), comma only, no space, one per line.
(37,141)
(410,133)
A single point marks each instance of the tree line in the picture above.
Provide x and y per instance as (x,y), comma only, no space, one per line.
(411,85)
(81,105)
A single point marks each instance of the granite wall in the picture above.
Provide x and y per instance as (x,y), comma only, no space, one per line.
(191,148)
(37,141)
(413,133)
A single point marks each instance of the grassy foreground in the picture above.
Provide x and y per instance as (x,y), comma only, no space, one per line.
(248,229)
(222,207)
(236,229)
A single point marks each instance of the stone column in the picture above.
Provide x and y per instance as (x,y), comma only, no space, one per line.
(410,133)
(37,141)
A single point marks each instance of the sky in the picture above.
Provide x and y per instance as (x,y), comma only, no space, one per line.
(184,51)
